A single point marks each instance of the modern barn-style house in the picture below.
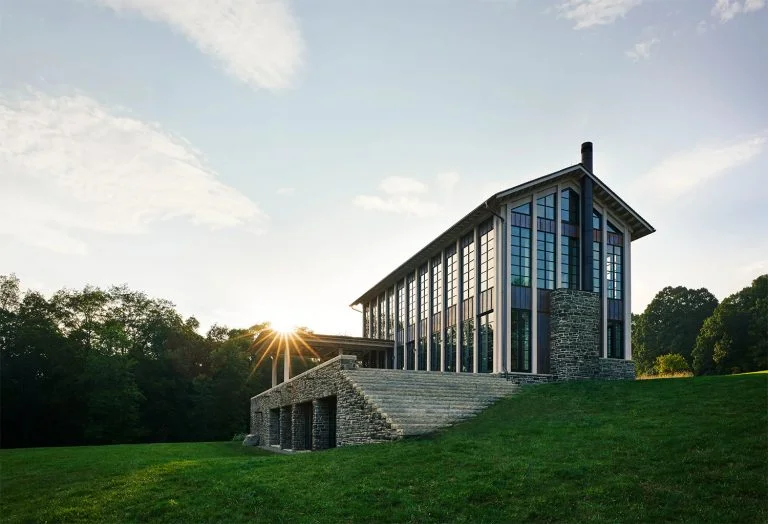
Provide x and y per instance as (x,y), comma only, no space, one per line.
(533,285)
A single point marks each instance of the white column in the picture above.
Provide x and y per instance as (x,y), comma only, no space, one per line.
(499,307)
(286,363)
(430,299)
(558,239)
(604,280)
(508,289)
(534,289)
(627,275)
(459,303)
(274,370)
(475,316)
(444,309)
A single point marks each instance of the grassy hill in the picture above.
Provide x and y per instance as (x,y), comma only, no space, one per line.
(684,449)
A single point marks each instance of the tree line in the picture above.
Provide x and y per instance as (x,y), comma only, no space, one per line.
(686,329)
(103,366)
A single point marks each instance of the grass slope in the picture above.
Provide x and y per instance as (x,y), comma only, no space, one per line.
(660,450)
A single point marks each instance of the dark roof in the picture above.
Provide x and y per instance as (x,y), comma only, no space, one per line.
(637,224)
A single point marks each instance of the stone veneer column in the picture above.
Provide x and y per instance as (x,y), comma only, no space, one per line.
(321,424)
(574,334)
(286,435)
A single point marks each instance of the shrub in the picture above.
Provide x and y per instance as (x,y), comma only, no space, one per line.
(671,363)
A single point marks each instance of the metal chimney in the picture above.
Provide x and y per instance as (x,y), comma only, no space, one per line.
(586,156)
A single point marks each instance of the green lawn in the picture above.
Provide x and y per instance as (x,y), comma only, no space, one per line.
(659,450)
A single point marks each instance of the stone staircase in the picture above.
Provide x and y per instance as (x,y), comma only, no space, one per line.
(419,402)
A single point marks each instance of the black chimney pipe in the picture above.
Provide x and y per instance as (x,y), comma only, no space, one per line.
(586,219)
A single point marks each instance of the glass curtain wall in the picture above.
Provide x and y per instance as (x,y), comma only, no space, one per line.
(451,301)
(391,326)
(545,242)
(423,314)
(569,241)
(520,257)
(614,274)
(437,310)
(487,280)
(468,304)
(366,321)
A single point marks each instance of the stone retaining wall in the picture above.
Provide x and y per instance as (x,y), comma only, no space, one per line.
(574,334)
(616,369)
(357,421)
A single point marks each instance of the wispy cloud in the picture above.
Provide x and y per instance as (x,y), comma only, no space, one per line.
(589,13)
(257,41)
(686,170)
(408,196)
(69,165)
(725,10)
(643,50)
(286,190)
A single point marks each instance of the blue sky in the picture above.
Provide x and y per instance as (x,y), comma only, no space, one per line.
(258,160)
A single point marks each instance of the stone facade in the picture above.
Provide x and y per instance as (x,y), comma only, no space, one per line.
(525,379)
(574,334)
(616,369)
(356,421)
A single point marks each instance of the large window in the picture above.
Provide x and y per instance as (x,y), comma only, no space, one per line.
(615,339)
(520,328)
(382,317)
(366,320)
(487,265)
(468,267)
(374,319)
(569,241)
(485,343)
(451,300)
(597,252)
(467,345)
(468,302)
(391,314)
(437,309)
(545,242)
(521,245)
(614,262)
(423,315)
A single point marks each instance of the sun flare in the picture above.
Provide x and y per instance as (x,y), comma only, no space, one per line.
(283,327)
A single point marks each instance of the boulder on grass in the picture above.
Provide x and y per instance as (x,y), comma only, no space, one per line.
(251,440)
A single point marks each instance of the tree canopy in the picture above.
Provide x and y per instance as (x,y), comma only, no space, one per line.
(113,365)
(735,338)
(670,325)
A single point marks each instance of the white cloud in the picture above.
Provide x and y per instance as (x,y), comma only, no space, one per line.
(759,266)
(588,13)
(408,196)
(258,41)
(69,165)
(725,10)
(642,50)
(286,190)
(686,170)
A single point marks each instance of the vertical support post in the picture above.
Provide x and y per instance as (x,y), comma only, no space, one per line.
(286,362)
(604,283)
(627,275)
(459,302)
(475,315)
(499,306)
(558,238)
(274,370)
(534,287)
(586,234)
(430,299)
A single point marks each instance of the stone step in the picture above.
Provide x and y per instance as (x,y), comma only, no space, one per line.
(419,402)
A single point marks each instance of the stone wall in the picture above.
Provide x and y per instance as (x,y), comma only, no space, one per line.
(617,369)
(357,421)
(574,334)
(524,379)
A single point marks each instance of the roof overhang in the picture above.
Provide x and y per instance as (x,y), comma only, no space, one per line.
(638,226)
